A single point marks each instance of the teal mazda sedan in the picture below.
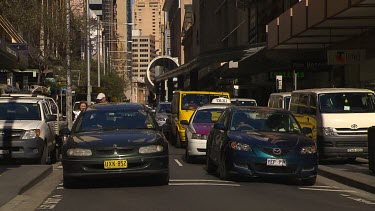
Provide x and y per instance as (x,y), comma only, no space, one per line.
(261,142)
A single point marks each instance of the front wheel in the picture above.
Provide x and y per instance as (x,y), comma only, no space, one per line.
(210,166)
(223,169)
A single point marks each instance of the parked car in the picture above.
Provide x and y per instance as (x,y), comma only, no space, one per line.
(279,100)
(198,128)
(115,140)
(27,130)
(243,102)
(258,141)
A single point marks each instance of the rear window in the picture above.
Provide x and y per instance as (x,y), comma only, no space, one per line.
(19,111)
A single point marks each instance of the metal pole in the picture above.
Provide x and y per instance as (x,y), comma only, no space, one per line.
(104,55)
(98,49)
(88,52)
(69,110)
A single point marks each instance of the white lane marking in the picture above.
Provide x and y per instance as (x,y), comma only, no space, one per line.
(328,190)
(358,167)
(317,186)
(358,199)
(199,180)
(59,188)
(178,162)
(50,203)
(60,167)
(203,184)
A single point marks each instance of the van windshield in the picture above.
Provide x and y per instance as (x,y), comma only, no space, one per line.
(347,103)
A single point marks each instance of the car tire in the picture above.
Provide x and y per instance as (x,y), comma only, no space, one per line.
(223,169)
(172,139)
(44,157)
(210,166)
(69,182)
(163,179)
(178,141)
(188,157)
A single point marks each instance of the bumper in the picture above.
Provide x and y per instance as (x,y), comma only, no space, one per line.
(94,167)
(21,149)
(247,163)
(197,147)
(339,146)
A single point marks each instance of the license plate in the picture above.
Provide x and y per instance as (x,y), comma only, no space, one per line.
(276,162)
(355,150)
(4,152)
(115,164)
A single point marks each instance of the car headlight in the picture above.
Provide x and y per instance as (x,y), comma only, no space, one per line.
(161,119)
(198,136)
(79,152)
(307,150)
(31,134)
(239,146)
(327,131)
(150,149)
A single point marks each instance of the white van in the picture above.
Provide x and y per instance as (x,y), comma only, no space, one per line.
(279,100)
(338,117)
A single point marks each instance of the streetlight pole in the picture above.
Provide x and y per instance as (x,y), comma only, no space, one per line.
(88,51)
(98,49)
(69,110)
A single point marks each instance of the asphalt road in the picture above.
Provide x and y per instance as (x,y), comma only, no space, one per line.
(191,188)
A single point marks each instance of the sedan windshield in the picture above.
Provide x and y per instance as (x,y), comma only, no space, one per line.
(207,115)
(19,111)
(264,121)
(114,119)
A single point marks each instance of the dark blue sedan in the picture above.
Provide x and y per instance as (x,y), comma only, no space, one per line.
(264,142)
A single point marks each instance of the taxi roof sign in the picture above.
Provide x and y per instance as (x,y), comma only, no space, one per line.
(220,100)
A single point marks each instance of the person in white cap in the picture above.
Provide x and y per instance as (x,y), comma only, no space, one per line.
(101,98)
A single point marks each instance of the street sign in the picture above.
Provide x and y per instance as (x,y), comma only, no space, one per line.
(279,82)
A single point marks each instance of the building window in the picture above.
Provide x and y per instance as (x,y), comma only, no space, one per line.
(143,45)
(135,55)
(143,50)
(135,60)
(135,50)
(143,40)
(144,60)
(143,65)
(135,45)
(144,55)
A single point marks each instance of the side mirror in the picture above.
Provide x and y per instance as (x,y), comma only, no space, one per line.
(184,122)
(52,117)
(306,130)
(65,131)
(219,126)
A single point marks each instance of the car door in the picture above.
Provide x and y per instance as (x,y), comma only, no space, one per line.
(218,136)
(50,134)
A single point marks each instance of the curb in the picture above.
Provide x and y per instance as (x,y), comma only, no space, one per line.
(325,172)
(36,180)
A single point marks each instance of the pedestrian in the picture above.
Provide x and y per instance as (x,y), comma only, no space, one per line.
(82,107)
(101,98)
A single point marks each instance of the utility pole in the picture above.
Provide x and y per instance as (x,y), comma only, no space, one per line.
(104,55)
(69,110)
(98,49)
(88,52)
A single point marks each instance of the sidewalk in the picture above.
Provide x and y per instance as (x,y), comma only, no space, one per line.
(16,179)
(355,174)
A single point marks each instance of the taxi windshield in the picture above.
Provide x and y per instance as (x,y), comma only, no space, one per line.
(115,119)
(193,101)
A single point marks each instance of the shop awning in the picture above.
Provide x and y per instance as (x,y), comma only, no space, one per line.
(319,24)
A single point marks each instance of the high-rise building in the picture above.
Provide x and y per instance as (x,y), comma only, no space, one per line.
(149,19)
(143,53)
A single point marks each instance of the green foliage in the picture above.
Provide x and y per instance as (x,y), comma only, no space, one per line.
(114,84)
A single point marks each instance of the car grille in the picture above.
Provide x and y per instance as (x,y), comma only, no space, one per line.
(269,151)
(111,151)
(351,132)
(13,133)
(263,168)
(351,143)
